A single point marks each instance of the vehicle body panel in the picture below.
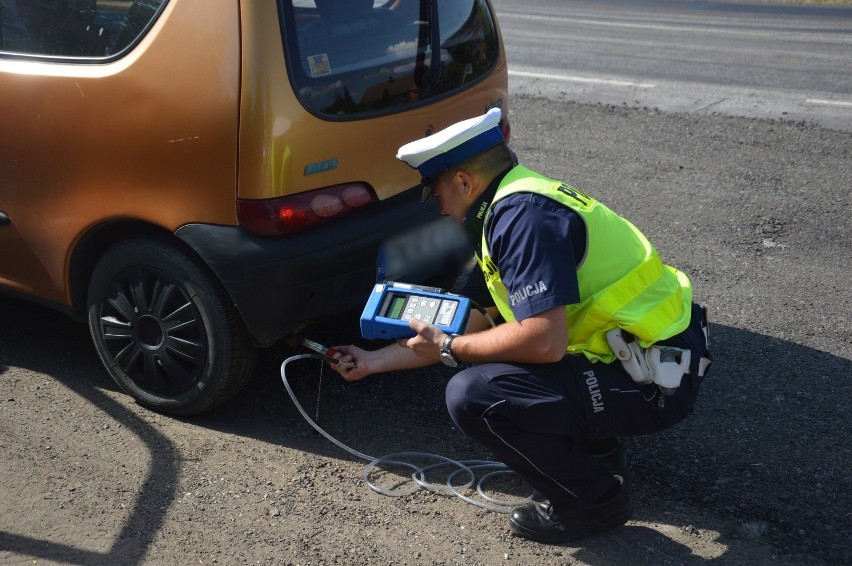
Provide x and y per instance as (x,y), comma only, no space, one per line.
(279,138)
(110,149)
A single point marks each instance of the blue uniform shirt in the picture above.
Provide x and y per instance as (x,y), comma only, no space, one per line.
(536,244)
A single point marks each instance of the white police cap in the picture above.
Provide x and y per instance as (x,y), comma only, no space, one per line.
(453,145)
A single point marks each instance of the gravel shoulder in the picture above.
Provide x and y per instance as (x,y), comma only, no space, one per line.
(755,211)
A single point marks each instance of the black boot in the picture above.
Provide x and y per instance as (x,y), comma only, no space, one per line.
(613,456)
(542,522)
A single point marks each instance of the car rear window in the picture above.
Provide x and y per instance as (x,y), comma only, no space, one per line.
(94,29)
(349,58)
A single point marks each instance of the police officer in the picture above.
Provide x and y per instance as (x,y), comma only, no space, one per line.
(545,390)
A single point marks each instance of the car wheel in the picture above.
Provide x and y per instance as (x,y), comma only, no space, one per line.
(165,329)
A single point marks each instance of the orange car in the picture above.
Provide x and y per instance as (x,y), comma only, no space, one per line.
(200,178)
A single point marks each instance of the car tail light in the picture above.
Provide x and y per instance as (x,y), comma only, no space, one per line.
(505,128)
(295,213)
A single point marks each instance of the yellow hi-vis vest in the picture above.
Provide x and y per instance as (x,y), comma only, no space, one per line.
(622,279)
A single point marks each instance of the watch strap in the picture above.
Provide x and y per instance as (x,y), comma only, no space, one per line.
(447,347)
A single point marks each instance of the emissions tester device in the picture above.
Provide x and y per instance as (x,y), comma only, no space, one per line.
(392,305)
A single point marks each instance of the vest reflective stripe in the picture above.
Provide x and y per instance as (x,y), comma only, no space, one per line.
(623,282)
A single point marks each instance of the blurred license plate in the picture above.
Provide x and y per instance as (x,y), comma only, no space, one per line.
(436,249)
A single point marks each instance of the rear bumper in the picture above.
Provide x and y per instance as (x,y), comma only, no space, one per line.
(278,284)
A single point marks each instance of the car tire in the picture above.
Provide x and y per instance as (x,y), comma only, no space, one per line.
(165,329)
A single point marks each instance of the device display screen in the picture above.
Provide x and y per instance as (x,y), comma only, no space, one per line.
(396,304)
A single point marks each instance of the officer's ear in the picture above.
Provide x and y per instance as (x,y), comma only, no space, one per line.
(466,181)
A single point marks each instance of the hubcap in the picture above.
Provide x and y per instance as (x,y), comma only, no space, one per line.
(153,331)
(149,332)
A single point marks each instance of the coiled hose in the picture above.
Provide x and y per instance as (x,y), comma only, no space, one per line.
(463,468)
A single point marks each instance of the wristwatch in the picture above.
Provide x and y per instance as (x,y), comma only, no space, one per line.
(447,356)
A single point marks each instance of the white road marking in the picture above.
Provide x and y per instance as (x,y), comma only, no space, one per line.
(706,26)
(576,79)
(824,102)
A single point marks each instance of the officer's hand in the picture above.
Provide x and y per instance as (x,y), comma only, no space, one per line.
(428,341)
(354,363)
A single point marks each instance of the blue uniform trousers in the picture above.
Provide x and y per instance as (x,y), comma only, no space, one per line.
(540,419)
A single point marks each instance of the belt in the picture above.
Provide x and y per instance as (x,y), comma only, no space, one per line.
(664,365)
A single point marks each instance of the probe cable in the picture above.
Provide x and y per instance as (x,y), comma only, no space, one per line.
(464,468)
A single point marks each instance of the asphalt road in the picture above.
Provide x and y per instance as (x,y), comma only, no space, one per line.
(754,211)
(732,58)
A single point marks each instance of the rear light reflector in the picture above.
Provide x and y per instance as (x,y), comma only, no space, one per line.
(295,213)
(505,128)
